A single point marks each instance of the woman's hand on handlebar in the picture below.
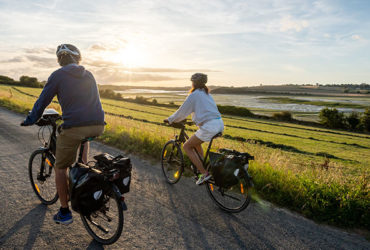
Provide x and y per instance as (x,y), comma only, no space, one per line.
(166,121)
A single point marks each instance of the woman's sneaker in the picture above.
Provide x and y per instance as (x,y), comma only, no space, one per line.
(64,219)
(202,178)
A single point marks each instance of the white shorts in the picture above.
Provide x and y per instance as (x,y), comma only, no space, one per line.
(209,129)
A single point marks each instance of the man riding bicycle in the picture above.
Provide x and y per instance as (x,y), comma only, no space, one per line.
(83,116)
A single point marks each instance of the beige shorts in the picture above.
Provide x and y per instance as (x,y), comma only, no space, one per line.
(69,141)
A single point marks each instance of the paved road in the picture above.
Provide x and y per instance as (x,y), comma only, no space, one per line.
(159,216)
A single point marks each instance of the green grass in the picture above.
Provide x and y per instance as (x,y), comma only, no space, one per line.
(289,168)
(287,100)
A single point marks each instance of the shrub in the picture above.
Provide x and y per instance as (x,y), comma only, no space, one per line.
(283,116)
(353,120)
(154,101)
(365,121)
(331,118)
(141,99)
(232,110)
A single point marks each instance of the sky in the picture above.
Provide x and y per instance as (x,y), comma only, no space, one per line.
(162,43)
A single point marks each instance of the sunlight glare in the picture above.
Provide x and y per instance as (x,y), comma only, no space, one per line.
(130,56)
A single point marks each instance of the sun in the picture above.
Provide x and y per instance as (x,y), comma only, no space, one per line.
(130,56)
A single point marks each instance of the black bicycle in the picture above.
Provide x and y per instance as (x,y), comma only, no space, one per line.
(104,225)
(232,199)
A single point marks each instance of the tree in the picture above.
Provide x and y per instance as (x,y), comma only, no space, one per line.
(331,118)
(29,81)
(6,80)
(353,120)
(365,121)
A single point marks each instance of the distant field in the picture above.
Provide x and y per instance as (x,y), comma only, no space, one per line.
(322,173)
(316,103)
(304,108)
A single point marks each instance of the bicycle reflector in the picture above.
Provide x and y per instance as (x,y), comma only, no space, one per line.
(164,154)
(176,174)
(37,188)
(241,188)
(211,185)
(48,162)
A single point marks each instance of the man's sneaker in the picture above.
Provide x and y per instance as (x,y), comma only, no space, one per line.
(65,219)
(202,178)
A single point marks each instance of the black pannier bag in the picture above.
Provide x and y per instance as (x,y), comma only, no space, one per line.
(123,164)
(87,189)
(227,166)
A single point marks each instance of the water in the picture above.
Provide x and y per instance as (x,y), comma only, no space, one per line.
(251,101)
(149,91)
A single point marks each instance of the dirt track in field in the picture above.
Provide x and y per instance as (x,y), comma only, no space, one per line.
(159,215)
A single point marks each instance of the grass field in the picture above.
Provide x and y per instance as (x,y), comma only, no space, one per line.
(316,103)
(322,173)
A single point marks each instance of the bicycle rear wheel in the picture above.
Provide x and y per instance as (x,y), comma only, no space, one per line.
(106,224)
(172,161)
(234,199)
(41,173)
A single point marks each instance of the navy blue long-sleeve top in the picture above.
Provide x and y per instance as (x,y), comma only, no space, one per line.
(78,96)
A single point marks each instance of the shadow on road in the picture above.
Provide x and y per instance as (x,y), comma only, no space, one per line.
(34,218)
(174,198)
(94,245)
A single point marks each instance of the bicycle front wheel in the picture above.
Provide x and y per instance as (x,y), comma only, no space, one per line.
(41,173)
(232,199)
(106,224)
(172,161)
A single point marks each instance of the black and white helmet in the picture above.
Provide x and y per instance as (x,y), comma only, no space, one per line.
(68,49)
(199,78)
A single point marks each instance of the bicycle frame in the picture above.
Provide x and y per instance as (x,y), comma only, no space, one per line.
(183,137)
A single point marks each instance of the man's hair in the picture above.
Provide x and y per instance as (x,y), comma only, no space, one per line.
(66,59)
(67,54)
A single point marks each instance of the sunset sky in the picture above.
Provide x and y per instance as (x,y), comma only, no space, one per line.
(238,42)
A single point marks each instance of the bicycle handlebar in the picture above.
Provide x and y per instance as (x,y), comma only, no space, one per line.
(180,124)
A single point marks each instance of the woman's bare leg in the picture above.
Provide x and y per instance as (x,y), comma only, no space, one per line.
(200,151)
(190,146)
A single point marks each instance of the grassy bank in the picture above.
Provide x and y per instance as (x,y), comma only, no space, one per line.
(287,100)
(318,172)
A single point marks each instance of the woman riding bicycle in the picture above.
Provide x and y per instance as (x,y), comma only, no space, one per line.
(205,115)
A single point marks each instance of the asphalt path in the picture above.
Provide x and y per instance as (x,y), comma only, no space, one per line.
(159,216)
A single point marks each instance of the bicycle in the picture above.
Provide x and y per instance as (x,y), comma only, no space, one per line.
(233,199)
(41,165)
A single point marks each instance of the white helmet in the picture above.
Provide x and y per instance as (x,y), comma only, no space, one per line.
(68,49)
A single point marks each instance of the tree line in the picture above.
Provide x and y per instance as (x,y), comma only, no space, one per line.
(26,81)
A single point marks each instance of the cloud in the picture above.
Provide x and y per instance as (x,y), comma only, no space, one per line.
(110,64)
(171,70)
(45,62)
(116,76)
(97,47)
(287,23)
(14,60)
(356,37)
(40,50)
(119,44)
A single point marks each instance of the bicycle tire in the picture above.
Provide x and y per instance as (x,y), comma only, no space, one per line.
(245,204)
(179,169)
(35,185)
(117,234)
